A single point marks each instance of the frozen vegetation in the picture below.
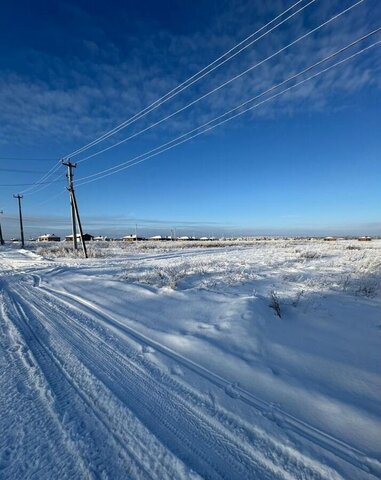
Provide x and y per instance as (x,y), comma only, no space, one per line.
(236,360)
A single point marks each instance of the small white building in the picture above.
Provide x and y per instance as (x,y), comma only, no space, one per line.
(156,237)
(86,237)
(364,239)
(132,238)
(48,237)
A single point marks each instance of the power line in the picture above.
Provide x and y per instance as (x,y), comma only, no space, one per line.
(25,184)
(18,170)
(50,199)
(40,181)
(44,177)
(29,159)
(179,140)
(294,42)
(42,185)
(191,80)
(197,76)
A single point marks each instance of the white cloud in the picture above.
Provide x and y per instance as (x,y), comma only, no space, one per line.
(72,100)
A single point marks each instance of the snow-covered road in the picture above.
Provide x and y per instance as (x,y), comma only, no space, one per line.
(106,372)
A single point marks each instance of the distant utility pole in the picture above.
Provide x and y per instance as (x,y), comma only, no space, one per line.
(136,232)
(19,197)
(74,208)
(1,233)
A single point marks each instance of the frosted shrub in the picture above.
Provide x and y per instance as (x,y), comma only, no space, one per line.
(68,252)
(369,287)
(346,281)
(310,255)
(275,303)
(59,251)
(199,274)
(298,296)
(170,276)
(159,276)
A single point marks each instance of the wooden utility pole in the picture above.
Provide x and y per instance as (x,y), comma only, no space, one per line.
(70,187)
(1,232)
(74,202)
(74,208)
(19,197)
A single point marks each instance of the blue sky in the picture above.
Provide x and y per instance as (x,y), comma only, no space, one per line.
(305,163)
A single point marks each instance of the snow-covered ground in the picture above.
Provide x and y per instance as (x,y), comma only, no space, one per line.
(255,360)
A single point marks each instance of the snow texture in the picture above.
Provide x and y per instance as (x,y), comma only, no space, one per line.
(176,360)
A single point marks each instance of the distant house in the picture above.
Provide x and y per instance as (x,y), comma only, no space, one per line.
(101,239)
(204,238)
(364,239)
(86,237)
(48,237)
(131,238)
(330,239)
(156,237)
(183,238)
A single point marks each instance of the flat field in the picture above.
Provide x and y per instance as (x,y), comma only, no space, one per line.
(172,360)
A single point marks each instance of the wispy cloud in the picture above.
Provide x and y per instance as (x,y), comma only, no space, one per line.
(72,99)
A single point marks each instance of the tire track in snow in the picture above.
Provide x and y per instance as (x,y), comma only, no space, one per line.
(153,460)
(209,450)
(101,453)
(274,459)
(26,403)
(288,421)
